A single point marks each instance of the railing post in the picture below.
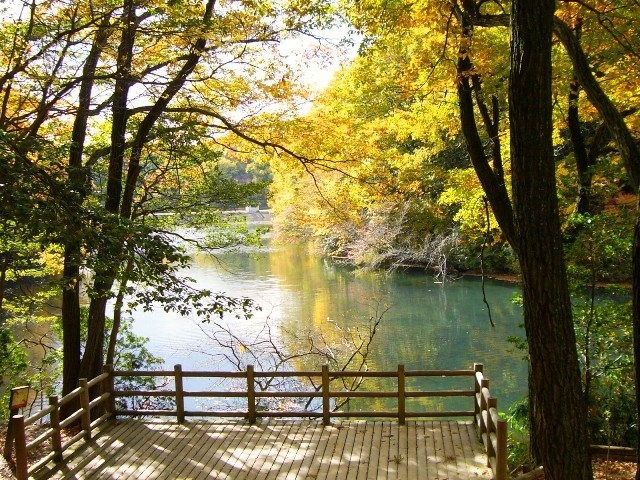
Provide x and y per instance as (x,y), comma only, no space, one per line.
(18,399)
(251,395)
(108,387)
(483,406)
(501,454)
(491,428)
(401,396)
(56,438)
(20,439)
(8,441)
(177,378)
(85,419)
(477,368)
(326,415)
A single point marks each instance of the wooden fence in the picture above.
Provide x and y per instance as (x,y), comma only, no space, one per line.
(491,429)
(56,426)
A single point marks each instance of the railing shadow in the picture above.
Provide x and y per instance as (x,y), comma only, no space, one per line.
(270,447)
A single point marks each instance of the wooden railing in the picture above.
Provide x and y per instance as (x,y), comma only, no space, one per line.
(323,378)
(55,425)
(491,430)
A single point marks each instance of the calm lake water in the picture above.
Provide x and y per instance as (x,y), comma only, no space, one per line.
(426,325)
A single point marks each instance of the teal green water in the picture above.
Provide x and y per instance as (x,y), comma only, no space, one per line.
(426,325)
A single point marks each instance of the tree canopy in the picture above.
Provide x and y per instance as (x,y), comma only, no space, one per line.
(464,134)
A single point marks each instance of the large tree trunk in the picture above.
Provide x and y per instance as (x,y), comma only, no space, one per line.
(636,319)
(558,412)
(70,323)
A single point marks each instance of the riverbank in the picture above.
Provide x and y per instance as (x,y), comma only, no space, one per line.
(502,277)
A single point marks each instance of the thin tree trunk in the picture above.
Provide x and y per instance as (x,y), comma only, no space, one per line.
(582,157)
(4,265)
(583,204)
(492,180)
(613,119)
(117,314)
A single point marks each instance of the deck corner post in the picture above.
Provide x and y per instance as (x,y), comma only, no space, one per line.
(326,414)
(20,439)
(85,419)
(401,396)
(56,437)
(109,387)
(177,376)
(501,454)
(251,395)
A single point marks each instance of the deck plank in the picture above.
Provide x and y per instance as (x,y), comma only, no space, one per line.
(359,455)
(439,452)
(412,451)
(309,446)
(182,455)
(392,460)
(331,435)
(342,456)
(162,445)
(421,451)
(275,449)
(404,453)
(373,440)
(264,450)
(225,456)
(277,459)
(120,436)
(143,446)
(296,454)
(450,463)
(198,456)
(433,457)
(244,458)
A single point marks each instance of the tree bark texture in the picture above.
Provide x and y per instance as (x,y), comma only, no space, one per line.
(70,323)
(636,319)
(557,405)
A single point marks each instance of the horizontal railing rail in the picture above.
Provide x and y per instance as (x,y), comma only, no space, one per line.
(323,392)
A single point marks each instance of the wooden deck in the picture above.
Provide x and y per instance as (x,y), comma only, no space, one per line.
(277,449)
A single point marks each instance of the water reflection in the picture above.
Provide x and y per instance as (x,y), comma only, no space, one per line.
(426,325)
